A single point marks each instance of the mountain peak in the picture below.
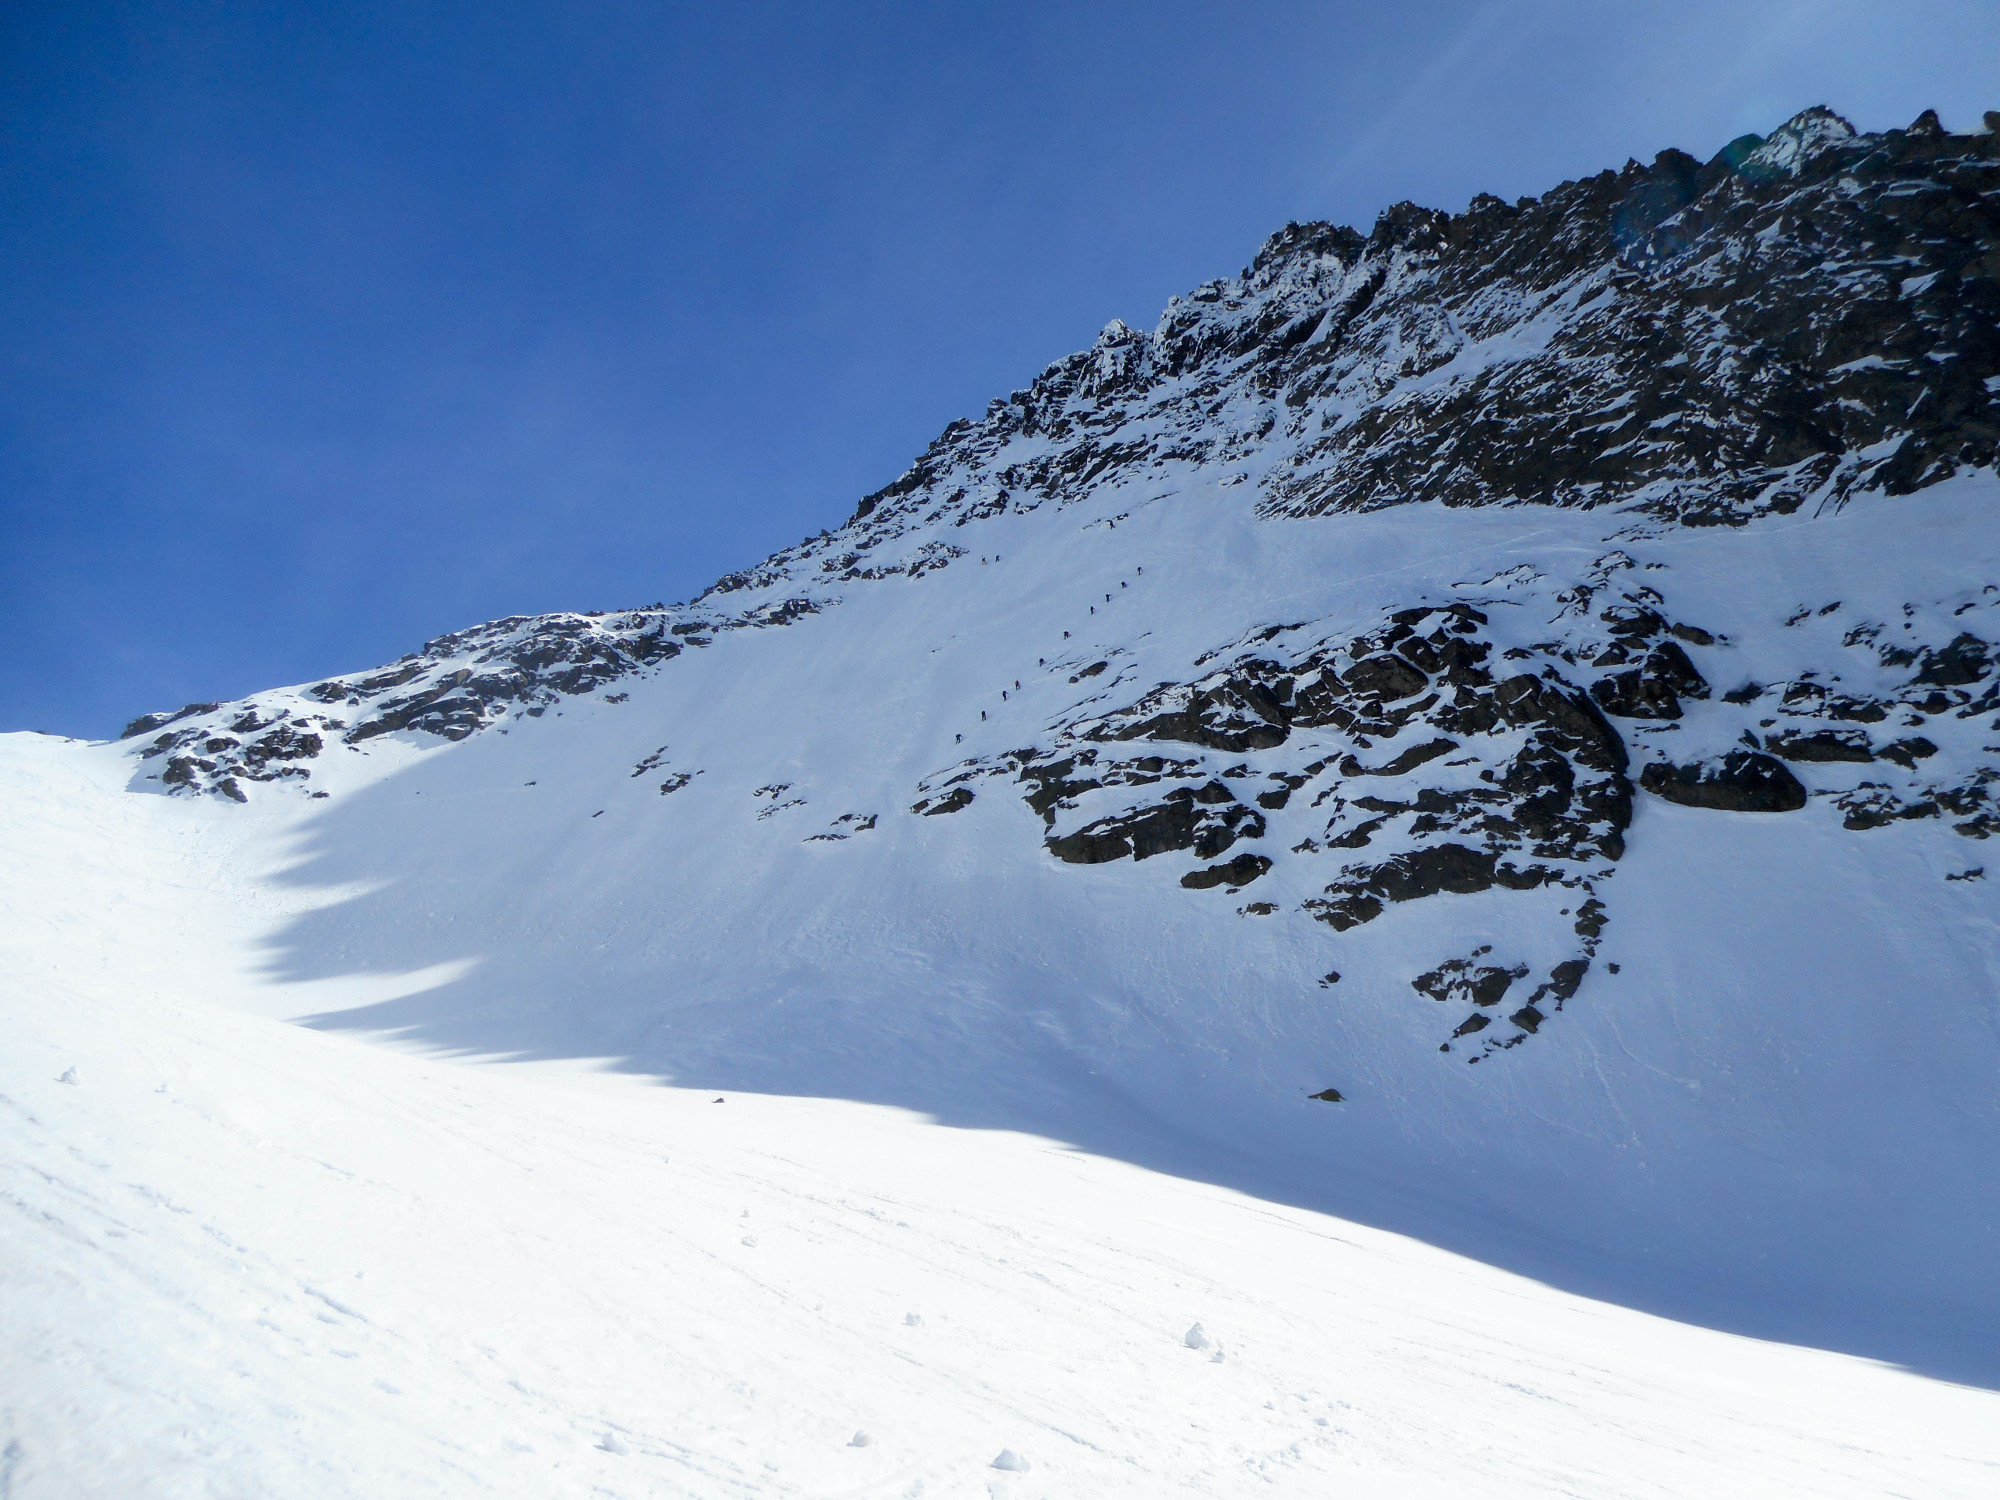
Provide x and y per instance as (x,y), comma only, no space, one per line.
(1800,141)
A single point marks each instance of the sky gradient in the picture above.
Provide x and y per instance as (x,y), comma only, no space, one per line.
(331,328)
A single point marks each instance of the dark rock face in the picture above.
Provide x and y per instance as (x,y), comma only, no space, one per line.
(1742,781)
(1185,819)
(1548,799)
(950,802)
(1907,752)
(517,661)
(1651,690)
(1239,871)
(1821,745)
(208,760)
(1749,342)
(147,723)
(1465,980)
(1563,981)
(1812,315)
(1952,679)
(1408,877)
(1473,767)
(1960,663)
(1400,758)
(1385,677)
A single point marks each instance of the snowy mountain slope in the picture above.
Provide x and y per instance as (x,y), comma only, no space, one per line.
(1722,1128)
(1486,729)
(1799,320)
(242,1258)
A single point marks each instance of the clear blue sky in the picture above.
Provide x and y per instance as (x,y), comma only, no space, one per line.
(328,328)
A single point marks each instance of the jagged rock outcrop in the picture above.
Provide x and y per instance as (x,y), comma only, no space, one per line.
(1797,319)
(456,685)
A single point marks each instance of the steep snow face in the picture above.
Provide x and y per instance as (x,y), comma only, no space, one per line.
(1200,759)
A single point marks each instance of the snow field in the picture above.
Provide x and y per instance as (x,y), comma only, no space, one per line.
(247,1258)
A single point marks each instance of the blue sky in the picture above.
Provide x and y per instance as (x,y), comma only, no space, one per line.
(330,328)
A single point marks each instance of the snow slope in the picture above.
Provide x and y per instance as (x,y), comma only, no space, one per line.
(246,1258)
(1776,1115)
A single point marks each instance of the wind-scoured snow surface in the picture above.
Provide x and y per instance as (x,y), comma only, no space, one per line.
(1427,817)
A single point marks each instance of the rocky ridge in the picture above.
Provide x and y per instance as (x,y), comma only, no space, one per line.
(458,684)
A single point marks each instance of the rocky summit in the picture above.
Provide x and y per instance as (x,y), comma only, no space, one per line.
(1490,721)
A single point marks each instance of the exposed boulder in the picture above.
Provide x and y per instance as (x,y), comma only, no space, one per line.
(1741,781)
(1239,871)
